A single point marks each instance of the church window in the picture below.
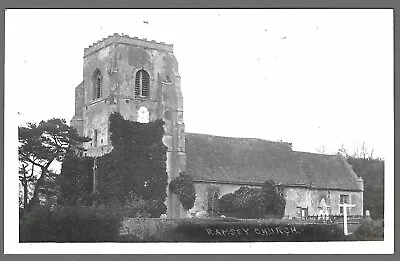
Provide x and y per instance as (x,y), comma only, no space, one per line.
(302,212)
(343,199)
(98,84)
(142,83)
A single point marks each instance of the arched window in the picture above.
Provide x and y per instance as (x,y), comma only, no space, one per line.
(97,84)
(142,83)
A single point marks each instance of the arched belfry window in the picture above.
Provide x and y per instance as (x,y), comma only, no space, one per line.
(142,83)
(97,84)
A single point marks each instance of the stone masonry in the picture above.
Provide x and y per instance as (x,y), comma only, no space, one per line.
(117,59)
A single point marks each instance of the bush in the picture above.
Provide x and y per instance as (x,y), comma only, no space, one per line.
(253,202)
(35,226)
(147,229)
(205,230)
(70,224)
(370,230)
(226,203)
(136,165)
(76,181)
(183,186)
(136,207)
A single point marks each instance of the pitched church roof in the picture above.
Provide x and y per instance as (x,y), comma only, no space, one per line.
(253,161)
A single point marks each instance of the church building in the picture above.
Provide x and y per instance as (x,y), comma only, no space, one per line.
(140,80)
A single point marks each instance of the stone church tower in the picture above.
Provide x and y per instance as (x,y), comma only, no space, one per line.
(140,80)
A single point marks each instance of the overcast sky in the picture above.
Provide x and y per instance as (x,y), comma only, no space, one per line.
(311,77)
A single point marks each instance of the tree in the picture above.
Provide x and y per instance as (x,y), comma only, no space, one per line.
(39,146)
(25,177)
(321,149)
(136,165)
(76,181)
(267,201)
(363,152)
(343,151)
(183,186)
(270,201)
(371,169)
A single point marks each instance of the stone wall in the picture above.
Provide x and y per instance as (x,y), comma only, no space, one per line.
(317,200)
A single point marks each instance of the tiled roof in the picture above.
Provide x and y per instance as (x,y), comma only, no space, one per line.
(243,160)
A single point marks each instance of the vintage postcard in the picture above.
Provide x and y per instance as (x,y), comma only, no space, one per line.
(232,131)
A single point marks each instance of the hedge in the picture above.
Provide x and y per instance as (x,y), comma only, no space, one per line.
(70,224)
(227,230)
(371,230)
(147,229)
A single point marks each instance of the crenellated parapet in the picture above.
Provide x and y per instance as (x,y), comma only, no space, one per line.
(126,39)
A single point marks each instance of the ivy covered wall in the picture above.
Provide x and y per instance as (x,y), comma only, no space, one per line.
(135,166)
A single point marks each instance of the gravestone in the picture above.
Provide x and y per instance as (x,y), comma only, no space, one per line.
(367,214)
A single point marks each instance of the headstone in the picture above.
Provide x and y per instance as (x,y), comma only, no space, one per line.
(201,214)
(367,214)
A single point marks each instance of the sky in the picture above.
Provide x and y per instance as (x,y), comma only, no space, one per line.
(315,78)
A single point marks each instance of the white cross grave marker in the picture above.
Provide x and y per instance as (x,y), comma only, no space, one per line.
(345,206)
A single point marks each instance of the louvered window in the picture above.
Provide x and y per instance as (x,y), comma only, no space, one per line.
(98,84)
(142,83)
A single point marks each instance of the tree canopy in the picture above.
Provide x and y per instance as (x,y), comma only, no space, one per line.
(39,146)
(137,164)
(247,202)
(183,186)
(371,169)
(132,174)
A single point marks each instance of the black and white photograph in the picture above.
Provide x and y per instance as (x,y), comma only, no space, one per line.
(199,131)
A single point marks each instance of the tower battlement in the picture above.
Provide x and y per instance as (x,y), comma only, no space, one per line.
(126,39)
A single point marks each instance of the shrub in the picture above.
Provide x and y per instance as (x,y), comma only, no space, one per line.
(137,164)
(226,204)
(183,186)
(70,224)
(76,181)
(147,229)
(257,231)
(195,230)
(370,230)
(35,226)
(253,202)
(136,207)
